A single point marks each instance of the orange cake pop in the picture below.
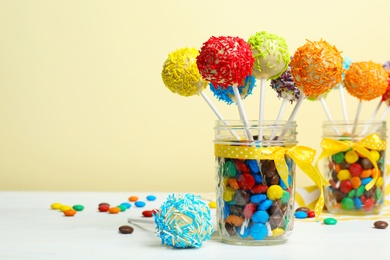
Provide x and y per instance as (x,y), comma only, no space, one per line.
(316,67)
(366,80)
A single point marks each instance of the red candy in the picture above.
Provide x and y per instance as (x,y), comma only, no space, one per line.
(104,208)
(249,209)
(345,186)
(369,204)
(259,189)
(241,166)
(246,181)
(355,169)
(147,213)
(311,214)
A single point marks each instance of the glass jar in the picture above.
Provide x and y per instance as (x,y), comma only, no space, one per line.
(255,181)
(353,162)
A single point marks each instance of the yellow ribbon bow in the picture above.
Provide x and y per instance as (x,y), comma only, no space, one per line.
(372,142)
(301,155)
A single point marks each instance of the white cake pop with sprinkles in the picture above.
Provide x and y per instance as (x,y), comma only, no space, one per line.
(184,221)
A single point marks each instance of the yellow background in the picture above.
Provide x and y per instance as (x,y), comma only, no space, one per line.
(83,106)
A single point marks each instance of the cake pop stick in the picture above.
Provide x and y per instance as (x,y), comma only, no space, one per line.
(365,81)
(271,60)
(285,88)
(227,61)
(180,75)
(346,63)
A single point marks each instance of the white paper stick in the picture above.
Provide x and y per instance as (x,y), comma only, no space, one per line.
(344,106)
(294,112)
(297,106)
(241,110)
(384,113)
(372,117)
(216,112)
(357,118)
(328,115)
(280,116)
(261,107)
(375,111)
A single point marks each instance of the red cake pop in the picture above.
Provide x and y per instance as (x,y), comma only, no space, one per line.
(225,61)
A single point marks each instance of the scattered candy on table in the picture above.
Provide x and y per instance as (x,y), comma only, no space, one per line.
(380,224)
(70,212)
(133,198)
(126,229)
(140,204)
(330,221)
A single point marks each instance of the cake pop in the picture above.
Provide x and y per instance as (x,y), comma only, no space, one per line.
(225,61)
(285,86)
(271,55)
(366,80)
(316,67)
(180,73)
(227,94)
(271,60)
(184,221)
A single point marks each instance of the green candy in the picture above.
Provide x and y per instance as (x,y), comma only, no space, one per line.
(230,169)
(78,207)
(338,157)
(347,203)
(330,221)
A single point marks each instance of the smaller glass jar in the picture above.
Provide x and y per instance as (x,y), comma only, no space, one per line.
(354,166)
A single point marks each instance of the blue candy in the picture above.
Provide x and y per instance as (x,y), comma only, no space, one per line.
(258,178)
(151,198)
(300,214)
(258,198)
(358,203)
(265,205)
(258,231)
(365,181)
(243,233)
(126,204)
(140,204)
(260,216)
(253,166)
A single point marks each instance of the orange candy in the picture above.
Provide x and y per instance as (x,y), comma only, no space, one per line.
(133,198)
(114,210)
(356,182)
(70,212)
(233,183)
(366,173)
(235,220)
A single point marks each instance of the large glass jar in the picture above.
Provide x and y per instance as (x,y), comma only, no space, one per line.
(353,162)
(255,181)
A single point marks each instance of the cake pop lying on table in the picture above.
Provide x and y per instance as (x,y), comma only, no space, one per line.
(184,221)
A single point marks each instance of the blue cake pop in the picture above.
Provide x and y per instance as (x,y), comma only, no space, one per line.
(184,221)
(227,94)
